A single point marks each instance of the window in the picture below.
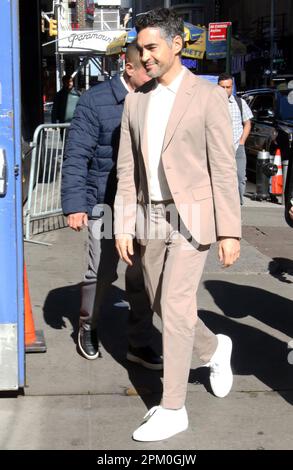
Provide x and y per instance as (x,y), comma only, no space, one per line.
(106,19)
(286,105)
(262,103)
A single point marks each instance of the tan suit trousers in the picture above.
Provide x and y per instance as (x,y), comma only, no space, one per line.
(172,268)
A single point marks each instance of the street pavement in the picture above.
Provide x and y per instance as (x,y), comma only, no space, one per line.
(75,404)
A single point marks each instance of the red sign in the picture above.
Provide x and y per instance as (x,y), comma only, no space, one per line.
(218,31)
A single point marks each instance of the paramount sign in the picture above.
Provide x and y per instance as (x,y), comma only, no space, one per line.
(85,41)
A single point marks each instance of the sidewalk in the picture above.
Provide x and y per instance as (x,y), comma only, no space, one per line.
(72,403)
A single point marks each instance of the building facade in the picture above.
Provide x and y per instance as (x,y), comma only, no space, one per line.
(269,49)
(193,11)
(256,55)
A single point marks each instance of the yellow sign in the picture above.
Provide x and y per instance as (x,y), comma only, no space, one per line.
(115,46)
(53,27)
(196,49)
(186,34)
(191,53)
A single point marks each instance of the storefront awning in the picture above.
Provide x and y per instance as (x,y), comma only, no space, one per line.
(191,33)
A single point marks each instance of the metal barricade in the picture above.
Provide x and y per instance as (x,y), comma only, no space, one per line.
(44,193)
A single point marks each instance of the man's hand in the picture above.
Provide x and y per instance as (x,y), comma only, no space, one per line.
(77,221)
(229,250)
(124,246)
(291,212)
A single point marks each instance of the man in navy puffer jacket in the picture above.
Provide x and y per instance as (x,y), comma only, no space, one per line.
(88,191)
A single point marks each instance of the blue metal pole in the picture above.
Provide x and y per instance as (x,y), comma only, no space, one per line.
(11,240)
(18,187)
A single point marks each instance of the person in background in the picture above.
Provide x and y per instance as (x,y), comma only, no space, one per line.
(289,194)
(88,192)
(240,115)
(65,101)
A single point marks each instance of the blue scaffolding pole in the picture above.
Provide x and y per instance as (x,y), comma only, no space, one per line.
(12,375)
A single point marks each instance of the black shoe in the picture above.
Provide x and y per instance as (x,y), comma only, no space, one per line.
(88,342)
(146,357)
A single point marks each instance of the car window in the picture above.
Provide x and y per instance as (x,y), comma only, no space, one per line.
(262,103)
(286,105)
(248,99)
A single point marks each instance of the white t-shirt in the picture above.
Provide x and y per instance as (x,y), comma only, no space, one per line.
(160,105)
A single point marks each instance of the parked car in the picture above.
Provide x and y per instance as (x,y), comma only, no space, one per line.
(272,124)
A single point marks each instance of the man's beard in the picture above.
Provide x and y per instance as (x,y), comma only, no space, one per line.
(154,73)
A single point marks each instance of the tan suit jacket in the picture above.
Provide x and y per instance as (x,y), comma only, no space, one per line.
(198,159)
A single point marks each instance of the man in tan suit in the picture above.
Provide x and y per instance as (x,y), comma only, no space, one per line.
(177,193)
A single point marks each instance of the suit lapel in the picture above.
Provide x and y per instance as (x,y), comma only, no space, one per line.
(183,97)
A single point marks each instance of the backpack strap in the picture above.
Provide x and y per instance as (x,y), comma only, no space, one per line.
(239,103)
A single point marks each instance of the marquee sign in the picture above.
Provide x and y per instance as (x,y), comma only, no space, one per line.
(85,41)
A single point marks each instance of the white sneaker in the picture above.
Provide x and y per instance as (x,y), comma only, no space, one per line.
(161,423)
(221,377)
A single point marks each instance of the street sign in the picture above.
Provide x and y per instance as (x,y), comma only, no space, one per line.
(218,31)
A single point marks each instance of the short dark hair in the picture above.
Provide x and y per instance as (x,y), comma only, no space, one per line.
(132,55)
(66,78)
(165,19)
(225,76)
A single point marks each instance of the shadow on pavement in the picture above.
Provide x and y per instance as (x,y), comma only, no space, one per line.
(64,303)
(255,352)
(240,301)
(60,304)
(280,267)
(113,334)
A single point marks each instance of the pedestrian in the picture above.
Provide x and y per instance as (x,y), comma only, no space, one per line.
(289,194)
(176,149)
(65,101)
(240,115)
(88,191)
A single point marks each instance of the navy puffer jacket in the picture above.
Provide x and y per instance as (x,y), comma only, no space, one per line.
(89,173)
